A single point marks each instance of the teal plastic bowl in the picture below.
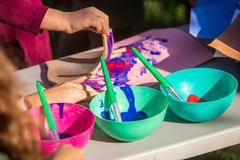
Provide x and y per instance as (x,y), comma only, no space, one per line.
(216,87)
(142,109)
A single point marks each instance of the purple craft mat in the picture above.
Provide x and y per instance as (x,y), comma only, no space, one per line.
(168,50)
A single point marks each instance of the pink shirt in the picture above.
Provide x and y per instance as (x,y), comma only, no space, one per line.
(21,20)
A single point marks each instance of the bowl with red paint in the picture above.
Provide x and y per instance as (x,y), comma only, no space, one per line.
(75,124)
(207,93)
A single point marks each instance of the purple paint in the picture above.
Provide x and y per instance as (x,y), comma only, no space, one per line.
(143,70)
(153,61)
(93,84)
(110,43)
(61,110)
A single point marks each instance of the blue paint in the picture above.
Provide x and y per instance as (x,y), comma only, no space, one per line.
(116,83)
(61,109)
(207,2)
(61,136)
(64,135)
(101,103)
(154,53)
(131,114)
(134,61)
(106,115)
(164,40)
(131,100)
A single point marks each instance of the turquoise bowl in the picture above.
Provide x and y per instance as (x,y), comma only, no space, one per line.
(142,109)
(216,87)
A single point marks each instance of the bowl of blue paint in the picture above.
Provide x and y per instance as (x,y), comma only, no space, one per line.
(142,111)
(215,88)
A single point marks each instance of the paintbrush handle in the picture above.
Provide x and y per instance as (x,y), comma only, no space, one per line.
(110,90)
(151,68)
(116,112)
(105,45)
(49,117)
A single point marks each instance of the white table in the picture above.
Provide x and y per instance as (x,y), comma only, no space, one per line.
(175,139)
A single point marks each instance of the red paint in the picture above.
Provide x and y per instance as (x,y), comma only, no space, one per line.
(118,65)
(194,99)
(130,49)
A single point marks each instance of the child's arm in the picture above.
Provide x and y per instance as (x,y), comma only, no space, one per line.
(31,17)
(22,14)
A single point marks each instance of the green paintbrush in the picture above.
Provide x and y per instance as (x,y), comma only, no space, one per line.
(110,91)
(49,117)
(156,74)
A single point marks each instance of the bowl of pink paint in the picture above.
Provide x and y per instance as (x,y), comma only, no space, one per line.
(75,124)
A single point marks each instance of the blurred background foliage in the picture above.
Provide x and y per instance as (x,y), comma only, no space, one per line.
(165,13)
(156,14)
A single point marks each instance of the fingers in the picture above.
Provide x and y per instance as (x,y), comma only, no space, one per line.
(104,25)
(102,19)
(97,25)
(88,19)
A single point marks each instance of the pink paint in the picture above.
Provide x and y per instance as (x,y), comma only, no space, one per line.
(76,120)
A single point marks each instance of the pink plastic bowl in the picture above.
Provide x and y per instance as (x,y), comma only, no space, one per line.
(72,119)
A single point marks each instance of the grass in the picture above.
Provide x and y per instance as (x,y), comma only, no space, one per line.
(230,153)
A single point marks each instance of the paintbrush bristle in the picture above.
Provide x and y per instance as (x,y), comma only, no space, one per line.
(108,42)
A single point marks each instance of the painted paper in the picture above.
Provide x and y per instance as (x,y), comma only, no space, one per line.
(168,50)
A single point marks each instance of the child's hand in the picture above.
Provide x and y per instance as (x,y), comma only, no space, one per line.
(88,19)
(68,152)
(85,19)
